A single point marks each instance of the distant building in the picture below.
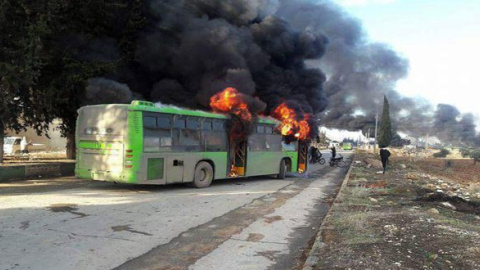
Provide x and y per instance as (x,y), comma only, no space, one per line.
(334,144)
(55,143)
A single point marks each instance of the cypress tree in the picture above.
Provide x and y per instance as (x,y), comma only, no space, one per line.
(385,136)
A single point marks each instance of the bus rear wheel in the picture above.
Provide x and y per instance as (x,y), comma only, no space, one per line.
(283,170)
(203,176)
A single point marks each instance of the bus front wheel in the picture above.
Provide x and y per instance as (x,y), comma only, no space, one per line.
(283,170)
(203,175)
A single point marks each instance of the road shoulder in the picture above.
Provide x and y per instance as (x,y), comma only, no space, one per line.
(394,221)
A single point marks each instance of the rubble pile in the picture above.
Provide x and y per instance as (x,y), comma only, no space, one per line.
(436,185)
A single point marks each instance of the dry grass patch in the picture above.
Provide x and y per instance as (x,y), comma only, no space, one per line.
(357,228)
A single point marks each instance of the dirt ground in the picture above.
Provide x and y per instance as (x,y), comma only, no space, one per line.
(421,214)
(461,170)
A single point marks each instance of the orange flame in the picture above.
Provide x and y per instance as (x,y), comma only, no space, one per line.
(231,101)
(290,126)
(233,171)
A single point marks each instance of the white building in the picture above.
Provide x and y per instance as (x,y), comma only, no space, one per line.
(55,143)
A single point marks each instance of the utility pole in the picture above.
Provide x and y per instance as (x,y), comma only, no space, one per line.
(426,143)
(368,138)
(376,128)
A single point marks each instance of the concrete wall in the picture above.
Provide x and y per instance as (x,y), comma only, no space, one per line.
(33,171)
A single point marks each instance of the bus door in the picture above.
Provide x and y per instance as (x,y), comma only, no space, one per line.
(238,159)
(302,156)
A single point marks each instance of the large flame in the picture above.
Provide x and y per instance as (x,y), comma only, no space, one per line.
(231,101)
(290,126)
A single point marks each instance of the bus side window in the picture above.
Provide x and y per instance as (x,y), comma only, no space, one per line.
(207,125)
(215,137)
(292,146)
(257,142)
(215,141)
(219,125)
(186,135)
(260,129)
(274,142)
(179,123)
(157,133)
(149,121)
(269,129)
(189,140)
(164,121)
(193,123)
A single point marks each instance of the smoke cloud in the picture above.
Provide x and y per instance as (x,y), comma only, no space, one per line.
(359,73)
(101,91)
(311,54)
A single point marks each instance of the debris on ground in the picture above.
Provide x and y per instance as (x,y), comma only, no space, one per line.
(417,215)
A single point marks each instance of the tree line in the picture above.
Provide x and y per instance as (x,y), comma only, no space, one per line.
(43,72)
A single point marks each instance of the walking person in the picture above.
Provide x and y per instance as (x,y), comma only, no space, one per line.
(384,155)
(334,152)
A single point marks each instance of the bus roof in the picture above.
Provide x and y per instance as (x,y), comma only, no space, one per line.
(149,106)
(139,105)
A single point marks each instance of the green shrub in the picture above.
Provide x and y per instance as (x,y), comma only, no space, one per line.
(465,152)
(443,153)
(475,155)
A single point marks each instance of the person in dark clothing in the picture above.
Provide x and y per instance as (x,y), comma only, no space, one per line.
(334,152)
(314,154)
(384,155)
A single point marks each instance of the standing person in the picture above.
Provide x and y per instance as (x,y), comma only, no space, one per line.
(384,155)
(23,145)
(334,152)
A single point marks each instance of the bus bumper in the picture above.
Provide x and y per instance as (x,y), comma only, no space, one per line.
(122,176)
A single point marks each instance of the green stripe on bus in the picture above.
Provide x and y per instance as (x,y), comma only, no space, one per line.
(99,145)
(89,144)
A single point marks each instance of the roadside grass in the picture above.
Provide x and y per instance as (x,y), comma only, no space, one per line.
(449,217)
(356,228)
(378,223)
(359,173)
(473,252)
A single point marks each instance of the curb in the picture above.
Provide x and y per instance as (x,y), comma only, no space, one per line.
(19,172)
(312,258)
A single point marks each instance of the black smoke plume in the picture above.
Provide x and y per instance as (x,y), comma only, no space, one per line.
(190,50)
(451,126)
(360,73)
(101,91)
(310,53)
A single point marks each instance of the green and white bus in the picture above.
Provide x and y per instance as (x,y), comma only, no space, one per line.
(347,146)
(147,144)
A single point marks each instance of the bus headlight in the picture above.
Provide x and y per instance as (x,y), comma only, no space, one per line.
(91,130)
(103,131)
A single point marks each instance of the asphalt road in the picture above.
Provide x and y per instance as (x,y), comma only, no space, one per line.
(255,223)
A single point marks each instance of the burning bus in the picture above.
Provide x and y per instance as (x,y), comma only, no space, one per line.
(147,144)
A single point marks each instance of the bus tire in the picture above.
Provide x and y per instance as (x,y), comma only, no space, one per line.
(203,176)
(283,170)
